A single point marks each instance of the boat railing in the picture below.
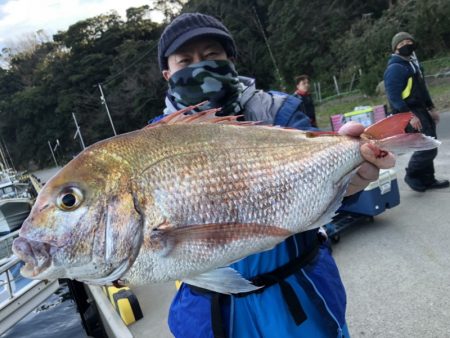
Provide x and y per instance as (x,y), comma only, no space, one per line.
(5,270)
(19,295)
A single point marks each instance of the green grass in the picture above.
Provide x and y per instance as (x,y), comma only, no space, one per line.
(440,94)
(440,90)
(434,66)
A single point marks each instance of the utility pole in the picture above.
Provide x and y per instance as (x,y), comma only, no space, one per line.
(53,154)
(78,132)
(102,98)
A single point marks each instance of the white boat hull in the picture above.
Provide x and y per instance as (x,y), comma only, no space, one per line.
(13,212)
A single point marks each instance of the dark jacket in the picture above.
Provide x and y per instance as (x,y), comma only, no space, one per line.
(307,107)
(404,96)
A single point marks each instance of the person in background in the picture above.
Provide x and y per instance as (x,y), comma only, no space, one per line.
(303,294)
(302,92)
(407,91)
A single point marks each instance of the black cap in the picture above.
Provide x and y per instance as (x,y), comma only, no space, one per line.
(188,26)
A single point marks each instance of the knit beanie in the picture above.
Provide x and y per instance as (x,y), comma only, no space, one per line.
(399,37)
(188,26)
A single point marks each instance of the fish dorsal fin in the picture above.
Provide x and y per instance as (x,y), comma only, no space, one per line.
(206,116)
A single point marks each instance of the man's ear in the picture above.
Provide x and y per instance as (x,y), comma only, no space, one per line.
(166,74)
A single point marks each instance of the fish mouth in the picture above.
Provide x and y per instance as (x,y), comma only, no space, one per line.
(37,256)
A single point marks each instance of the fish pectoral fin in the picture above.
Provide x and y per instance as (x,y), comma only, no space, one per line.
(220,233)
(196,237)
(330,211)
(222,280)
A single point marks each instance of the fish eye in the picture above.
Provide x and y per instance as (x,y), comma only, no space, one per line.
(69,199)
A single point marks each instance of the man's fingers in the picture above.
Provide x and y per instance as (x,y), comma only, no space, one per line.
(366,173)
(385,162)
(351,129)
(415,122)
(374,160)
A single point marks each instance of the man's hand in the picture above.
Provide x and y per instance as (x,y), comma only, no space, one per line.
(370,169)
(415,122)
(435,115)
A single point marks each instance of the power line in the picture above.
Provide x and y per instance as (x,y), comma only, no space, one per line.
(130,65)
(277,70)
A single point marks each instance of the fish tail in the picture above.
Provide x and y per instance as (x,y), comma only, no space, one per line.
(403,143)
(389,134)
(390,126)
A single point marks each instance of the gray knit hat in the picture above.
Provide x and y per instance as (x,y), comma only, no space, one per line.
(399,37)
(188,26)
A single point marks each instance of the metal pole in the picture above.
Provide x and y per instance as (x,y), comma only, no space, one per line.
(53,154)
(351,83)
(320,92)
(8,285)
(78,132)
(7,154)
(102,98)
(3,157)
(336,85)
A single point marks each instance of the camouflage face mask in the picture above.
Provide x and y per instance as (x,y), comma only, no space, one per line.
(214,81)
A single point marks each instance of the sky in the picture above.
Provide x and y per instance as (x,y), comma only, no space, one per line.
(20,18)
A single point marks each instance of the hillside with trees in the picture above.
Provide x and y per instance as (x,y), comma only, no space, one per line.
(45,83)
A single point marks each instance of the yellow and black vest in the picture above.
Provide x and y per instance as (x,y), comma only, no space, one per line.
(415,94)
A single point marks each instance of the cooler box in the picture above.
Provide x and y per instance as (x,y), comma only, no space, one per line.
(376,198)
(365,115)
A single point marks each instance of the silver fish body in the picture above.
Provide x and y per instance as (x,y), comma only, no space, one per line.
(183,200)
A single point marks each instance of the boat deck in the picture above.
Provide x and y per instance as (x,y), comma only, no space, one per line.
(154,301)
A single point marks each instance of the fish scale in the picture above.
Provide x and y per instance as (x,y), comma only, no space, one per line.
(290,211)
(182,200)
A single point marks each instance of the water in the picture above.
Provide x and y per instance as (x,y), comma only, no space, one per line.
(56,317)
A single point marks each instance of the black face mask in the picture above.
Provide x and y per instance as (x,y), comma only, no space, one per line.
(406,50)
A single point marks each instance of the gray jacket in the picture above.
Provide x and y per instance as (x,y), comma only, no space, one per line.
(259,105)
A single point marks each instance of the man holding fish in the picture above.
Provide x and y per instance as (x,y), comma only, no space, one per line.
(229,207)
(196,54)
